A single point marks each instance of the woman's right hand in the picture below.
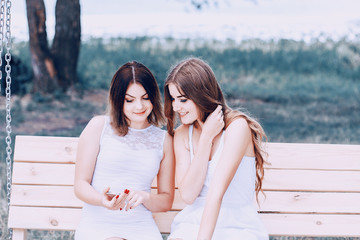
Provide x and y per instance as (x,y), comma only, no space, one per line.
(116,202)
(214,123)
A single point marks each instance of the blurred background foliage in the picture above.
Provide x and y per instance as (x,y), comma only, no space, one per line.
(300,91)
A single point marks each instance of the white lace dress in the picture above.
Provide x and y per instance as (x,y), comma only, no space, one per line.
(124,162)
(238,218)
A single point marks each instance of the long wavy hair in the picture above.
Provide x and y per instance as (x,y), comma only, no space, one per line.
(195,79)
(129,73)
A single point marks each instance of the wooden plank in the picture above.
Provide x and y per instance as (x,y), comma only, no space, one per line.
(309,202)
(59,196)
(281,155)
(275,179)
(45,196)
(277,224)
(164,220)
(312,225)
(45,149)
(19,234)
(178,203)
(312,180)
(65,218)
(43,173)
(46,173)
(44,218)
(314,156)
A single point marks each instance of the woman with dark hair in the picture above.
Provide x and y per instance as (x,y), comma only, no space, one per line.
(118,157)
(219,158)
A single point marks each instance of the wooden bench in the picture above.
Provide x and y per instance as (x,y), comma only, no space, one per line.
(311,189)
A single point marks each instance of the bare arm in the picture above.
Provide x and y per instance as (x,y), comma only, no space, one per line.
(191,174)
(162,201)
(87,152)
(88,149)
(231,157)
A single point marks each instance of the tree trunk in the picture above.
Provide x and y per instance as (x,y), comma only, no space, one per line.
(55,69)
(45,77)
(66,44)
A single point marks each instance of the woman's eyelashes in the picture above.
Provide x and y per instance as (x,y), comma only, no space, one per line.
(181,100)
(131,100)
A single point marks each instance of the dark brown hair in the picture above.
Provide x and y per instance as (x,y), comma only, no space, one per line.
(195,79)
(129,73)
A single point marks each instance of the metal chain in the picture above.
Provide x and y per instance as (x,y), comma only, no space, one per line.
(8,94)
(2,12)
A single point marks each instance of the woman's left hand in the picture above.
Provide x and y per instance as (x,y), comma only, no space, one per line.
(135,198)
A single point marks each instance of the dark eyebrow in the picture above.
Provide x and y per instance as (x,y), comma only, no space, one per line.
(135,97)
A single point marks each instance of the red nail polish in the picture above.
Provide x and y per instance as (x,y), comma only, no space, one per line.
(117,196)
(120,209)
(126,191)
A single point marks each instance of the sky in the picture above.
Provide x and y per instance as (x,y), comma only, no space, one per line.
(231,19)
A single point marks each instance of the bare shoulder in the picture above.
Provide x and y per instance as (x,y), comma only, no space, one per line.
(168,139)
(238,126)
(97,120)
(181,136)
(168,145)
(181,131)
(95,125)
(239,132)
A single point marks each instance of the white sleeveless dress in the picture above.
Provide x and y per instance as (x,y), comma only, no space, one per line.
(238,217)
(124,162)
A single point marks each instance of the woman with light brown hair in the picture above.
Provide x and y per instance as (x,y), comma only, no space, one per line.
(219,158)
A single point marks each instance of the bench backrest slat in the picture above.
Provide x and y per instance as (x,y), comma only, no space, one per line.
(288,202)
(314,156)
(281,155)
(275,179)
(43,173)
(44,196)
(312,180)
(313,224)
(45,149)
